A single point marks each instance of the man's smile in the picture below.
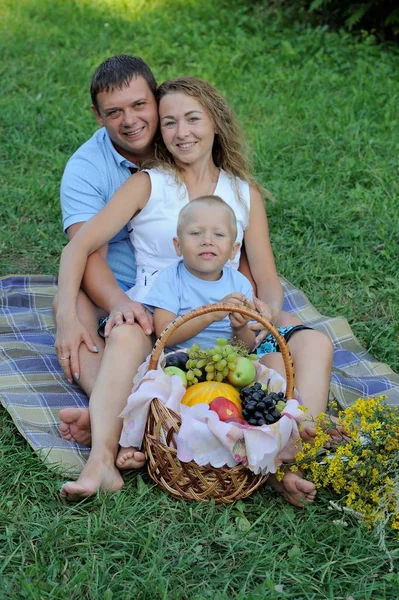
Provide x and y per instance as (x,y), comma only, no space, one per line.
(134,132)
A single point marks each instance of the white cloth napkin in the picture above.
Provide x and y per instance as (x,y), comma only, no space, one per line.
(202,436)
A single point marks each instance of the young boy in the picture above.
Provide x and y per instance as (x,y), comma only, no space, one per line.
(206,234)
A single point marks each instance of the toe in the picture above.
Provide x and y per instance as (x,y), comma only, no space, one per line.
(130,460)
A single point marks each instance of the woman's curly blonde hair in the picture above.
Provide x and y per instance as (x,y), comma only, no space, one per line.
(229,149)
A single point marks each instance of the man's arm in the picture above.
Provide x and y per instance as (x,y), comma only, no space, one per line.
(84,193)
(99,282)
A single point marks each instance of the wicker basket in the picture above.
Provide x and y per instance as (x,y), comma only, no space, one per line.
(189,481)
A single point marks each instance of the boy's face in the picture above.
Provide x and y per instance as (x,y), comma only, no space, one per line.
(130,116)
(206,241)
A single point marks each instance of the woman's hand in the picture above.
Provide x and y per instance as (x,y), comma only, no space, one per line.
(70,335)
(130,312)
(264,310)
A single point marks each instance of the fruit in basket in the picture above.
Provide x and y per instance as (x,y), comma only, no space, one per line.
(243,373)
(176,359)
(176,371)
(207,391)
(260,407)
(225,409)
(214,364)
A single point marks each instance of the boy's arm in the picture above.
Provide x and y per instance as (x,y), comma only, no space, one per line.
(162,318)
(245,335)
(238,322)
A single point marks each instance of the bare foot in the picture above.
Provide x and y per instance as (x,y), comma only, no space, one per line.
(130,458)
(97,474)
(296,490)
(307,431)
(75,425)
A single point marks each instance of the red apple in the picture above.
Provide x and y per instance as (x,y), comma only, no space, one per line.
(225,408)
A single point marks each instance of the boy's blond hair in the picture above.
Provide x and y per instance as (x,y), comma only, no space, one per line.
(209,201)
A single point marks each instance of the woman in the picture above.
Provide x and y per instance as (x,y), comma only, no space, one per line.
(200,152)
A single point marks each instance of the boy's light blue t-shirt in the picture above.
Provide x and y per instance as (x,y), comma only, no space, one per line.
(178,291)
(91,177)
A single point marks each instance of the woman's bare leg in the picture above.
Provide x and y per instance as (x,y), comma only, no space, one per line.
(126,349)
(312,354)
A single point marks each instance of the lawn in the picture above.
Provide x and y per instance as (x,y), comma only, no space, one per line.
(320,112)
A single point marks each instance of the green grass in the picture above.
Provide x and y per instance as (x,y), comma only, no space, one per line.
(319,111)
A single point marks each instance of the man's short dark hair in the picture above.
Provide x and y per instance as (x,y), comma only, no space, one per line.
(117,72)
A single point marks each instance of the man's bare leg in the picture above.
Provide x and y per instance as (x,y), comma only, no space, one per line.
(75,422)
(126,349)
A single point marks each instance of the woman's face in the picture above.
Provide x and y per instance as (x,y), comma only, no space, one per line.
(187,128)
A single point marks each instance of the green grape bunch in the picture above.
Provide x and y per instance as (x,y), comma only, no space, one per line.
(214,364)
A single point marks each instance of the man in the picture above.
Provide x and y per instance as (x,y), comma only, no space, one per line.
(123,102)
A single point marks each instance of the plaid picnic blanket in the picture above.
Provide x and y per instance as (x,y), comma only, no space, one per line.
(33,388)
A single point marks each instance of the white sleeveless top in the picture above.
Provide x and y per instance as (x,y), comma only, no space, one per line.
(152,230)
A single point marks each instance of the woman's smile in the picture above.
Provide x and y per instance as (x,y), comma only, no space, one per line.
(186,127)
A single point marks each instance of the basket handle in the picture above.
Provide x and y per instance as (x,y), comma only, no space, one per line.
(220,306)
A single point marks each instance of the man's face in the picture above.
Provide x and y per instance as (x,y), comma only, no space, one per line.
(130,116)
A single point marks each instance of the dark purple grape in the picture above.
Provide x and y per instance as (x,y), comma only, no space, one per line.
(281,395)
(258,415)
(261,422)
(269,419)
(176,359)
(268,403)
(253,421)
(256,396)
(261,405)
(251,406)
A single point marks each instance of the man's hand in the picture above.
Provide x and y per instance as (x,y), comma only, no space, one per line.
(69,336)
(130,312)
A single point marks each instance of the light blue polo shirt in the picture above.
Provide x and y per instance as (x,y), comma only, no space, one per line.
(91,177)
(178,291)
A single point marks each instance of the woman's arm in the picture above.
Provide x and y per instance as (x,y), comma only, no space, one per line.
(131,197)
(260,257)
(244,268)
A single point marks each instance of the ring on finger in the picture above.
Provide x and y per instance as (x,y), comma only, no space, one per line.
(64,357)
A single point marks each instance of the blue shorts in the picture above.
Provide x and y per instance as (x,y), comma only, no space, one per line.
(270,345)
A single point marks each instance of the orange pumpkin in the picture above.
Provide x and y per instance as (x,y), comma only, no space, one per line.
(206,391)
